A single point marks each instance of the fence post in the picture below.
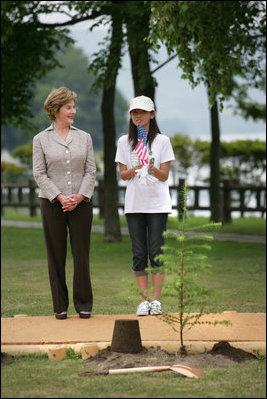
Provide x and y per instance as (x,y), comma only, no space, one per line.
(20,196)
(32,204)
(226,202)
(242,201)
(181,204)
(9,195)
(196,199)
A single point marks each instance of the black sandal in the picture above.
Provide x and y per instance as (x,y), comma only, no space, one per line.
(61,316)
(83,315)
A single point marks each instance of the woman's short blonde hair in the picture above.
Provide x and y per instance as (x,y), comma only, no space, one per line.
(56,99)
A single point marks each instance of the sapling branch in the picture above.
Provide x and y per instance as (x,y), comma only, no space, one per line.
(184,257)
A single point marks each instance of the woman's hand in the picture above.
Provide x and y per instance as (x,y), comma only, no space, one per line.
(77,198)
(70,202)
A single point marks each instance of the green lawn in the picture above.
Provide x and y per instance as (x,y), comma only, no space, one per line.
(246,225)
(238,277)
(38,377)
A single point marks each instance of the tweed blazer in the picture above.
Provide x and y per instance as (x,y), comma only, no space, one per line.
(64,166)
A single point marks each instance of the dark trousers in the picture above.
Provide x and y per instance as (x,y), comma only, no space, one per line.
(146,233)
(56,225)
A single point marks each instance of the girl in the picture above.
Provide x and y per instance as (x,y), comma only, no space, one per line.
(144,157)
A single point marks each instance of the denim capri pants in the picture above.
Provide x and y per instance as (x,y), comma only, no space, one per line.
(146,233)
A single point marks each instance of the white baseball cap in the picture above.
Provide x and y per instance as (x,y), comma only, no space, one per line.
(142,102)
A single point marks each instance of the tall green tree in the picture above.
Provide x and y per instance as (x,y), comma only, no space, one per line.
(118,14)
(137,17)
(246,106)
(183,148)
(216,43)
(242,161)
(27,54)
(73,74)
(110,66)
(134,16)
(77,11)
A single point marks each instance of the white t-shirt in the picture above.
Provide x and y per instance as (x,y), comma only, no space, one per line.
(140,198)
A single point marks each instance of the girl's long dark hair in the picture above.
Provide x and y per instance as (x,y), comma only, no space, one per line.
(133,134)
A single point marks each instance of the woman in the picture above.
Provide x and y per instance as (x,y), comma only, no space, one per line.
(64,169)
(144,157)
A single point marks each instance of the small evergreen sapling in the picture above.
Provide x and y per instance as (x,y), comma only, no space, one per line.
(185,258)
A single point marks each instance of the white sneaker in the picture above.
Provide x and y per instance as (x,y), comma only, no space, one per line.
(155,308)
(143,309)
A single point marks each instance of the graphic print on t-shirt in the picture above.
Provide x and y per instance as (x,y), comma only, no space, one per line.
(141,198)
(135,161)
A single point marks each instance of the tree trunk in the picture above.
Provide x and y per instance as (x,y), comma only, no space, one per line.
(215,191)
(137,31)
(111,215)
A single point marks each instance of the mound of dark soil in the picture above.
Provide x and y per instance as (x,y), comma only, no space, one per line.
(222,355)
(236,354)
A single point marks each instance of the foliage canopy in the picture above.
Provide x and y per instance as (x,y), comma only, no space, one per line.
(215,41)
(27,54)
